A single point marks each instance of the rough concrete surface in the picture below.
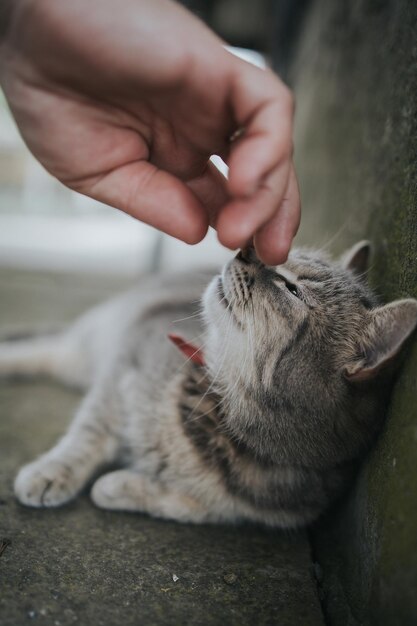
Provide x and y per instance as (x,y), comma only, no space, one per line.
(356,147)
(81,565)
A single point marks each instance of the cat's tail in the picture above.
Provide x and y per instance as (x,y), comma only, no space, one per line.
(34,353)
(14,333)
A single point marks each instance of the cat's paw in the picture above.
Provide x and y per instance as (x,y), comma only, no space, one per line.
(111,491)
(45,483)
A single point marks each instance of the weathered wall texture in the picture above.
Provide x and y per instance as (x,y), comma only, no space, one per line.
(356,148)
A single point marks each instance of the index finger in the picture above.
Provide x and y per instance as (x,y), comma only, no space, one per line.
(263,108)
(273,240)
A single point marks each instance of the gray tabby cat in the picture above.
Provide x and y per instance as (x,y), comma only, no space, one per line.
(265,421)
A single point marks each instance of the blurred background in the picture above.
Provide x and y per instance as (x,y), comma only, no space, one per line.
(45,226)
(352,65)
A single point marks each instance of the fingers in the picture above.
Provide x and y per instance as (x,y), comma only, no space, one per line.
(240,219)
(154,197)
(211,191)
(265,200)
(273,240)
(263,108)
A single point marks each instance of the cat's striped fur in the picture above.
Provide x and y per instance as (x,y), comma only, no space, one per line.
(298,363)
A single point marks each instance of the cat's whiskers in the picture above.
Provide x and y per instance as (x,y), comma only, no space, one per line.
(199,336)
(225,313)
(189,317)
(194,339)
(228,394)
(326,245)
(229,397)
(250,340)
(365,273)
(193,417)
(227,334)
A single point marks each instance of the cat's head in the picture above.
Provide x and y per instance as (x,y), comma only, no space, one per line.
(303,335)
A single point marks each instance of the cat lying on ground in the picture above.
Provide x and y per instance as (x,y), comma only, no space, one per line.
(265,420)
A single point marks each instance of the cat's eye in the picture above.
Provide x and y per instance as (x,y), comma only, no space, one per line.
(287,278)
(289,285)
(292,288)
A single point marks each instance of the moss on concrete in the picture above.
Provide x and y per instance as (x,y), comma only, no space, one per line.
(356,146)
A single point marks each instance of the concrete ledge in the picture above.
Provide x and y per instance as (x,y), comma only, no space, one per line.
(81,565)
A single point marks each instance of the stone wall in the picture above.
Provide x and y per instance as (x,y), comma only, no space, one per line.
(355,79)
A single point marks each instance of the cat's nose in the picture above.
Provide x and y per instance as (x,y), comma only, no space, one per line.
(248,256)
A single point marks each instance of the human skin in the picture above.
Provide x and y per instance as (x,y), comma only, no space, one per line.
(126,102)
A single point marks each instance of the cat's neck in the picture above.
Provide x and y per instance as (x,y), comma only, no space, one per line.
(214,426)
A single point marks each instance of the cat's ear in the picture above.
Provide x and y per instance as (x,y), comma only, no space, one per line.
(389,328)
(192,352)
(357,258)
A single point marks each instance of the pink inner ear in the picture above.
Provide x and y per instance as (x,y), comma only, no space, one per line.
(191,351)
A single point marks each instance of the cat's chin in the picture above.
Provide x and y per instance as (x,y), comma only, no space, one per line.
(221,294)
(216,319)
(213,301)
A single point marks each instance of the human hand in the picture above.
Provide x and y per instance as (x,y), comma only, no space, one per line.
(126,102)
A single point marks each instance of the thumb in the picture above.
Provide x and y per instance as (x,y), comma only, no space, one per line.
(211,189)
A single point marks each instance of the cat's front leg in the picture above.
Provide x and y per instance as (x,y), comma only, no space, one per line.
(128,490)
(91,442)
